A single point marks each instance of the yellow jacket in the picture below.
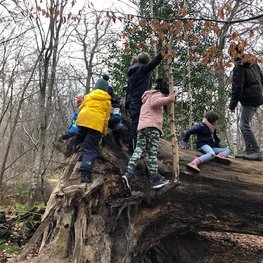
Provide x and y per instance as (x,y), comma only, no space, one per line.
(94,112)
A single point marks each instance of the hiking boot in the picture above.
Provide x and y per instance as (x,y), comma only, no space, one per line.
(157,182)
(254,156)
(240,155)
(126,180)
(220,158)
(85,177)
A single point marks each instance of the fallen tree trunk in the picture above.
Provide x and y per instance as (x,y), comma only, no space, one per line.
(98,222)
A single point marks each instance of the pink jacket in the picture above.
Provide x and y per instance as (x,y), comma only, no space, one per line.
(151,114)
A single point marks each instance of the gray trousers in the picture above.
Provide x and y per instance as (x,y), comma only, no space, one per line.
(247,113)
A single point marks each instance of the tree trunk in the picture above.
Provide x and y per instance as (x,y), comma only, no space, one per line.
(98,222)
(175,152)
(45,101)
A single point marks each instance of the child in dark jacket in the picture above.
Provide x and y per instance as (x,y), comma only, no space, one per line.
(207,142)
(119,130)
(139,82)
(149,131)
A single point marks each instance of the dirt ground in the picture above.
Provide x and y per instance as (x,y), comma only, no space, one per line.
(233,248)
(222,248)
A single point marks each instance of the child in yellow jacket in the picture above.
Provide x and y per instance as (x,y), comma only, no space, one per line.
(92,122)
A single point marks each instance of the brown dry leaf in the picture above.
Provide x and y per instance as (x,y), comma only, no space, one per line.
(184,11)
(205,61)
(155,25)
(191,56)
(251,33)
(221,12)
(234,35)
(217,30)
(173,53)
(165,25)
(189,25)
(142,23)
(215,65)
(178,26)
(212,51)
(227,65)
(161,35)
(228,8)
(126,47)
(132,30)
(207,26)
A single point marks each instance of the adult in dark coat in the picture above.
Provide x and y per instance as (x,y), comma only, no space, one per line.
(247,86)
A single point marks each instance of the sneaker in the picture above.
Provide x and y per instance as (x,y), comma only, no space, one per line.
(193,167)
(254,156)
(157,182)
(86,177)
(222,160)
(240,155)
(126,181)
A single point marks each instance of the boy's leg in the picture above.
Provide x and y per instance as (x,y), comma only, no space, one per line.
(80,136)
(133,132)
(90,154)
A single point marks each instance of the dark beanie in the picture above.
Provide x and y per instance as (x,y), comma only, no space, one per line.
(102,84)
(106,77)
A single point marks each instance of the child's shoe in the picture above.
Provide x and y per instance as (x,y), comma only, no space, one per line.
(193,166)
(85,177)
(220,158)
(157,182)
(126,180)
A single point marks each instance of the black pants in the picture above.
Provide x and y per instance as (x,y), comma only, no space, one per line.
(90,139)
(134,114)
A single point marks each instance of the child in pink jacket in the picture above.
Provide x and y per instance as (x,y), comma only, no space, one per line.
(149,131)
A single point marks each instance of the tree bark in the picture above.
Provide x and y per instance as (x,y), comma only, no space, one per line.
(98,222)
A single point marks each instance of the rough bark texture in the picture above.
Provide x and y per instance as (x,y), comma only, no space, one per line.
(99,223)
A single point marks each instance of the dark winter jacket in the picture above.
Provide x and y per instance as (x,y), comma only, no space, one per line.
(139,82)
(204,136)
(247,85)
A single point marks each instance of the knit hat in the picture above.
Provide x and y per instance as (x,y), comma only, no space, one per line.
(105,77)
(79,100)
(102,84)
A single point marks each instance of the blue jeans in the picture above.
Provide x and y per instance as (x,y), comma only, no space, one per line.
(211,152)
(247,113)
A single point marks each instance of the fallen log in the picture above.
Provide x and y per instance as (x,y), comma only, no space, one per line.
(98,222)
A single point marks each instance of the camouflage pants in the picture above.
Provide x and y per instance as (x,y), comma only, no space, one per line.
(147,140)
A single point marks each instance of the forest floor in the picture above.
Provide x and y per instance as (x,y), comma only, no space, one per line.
(233,248)
(221,248)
